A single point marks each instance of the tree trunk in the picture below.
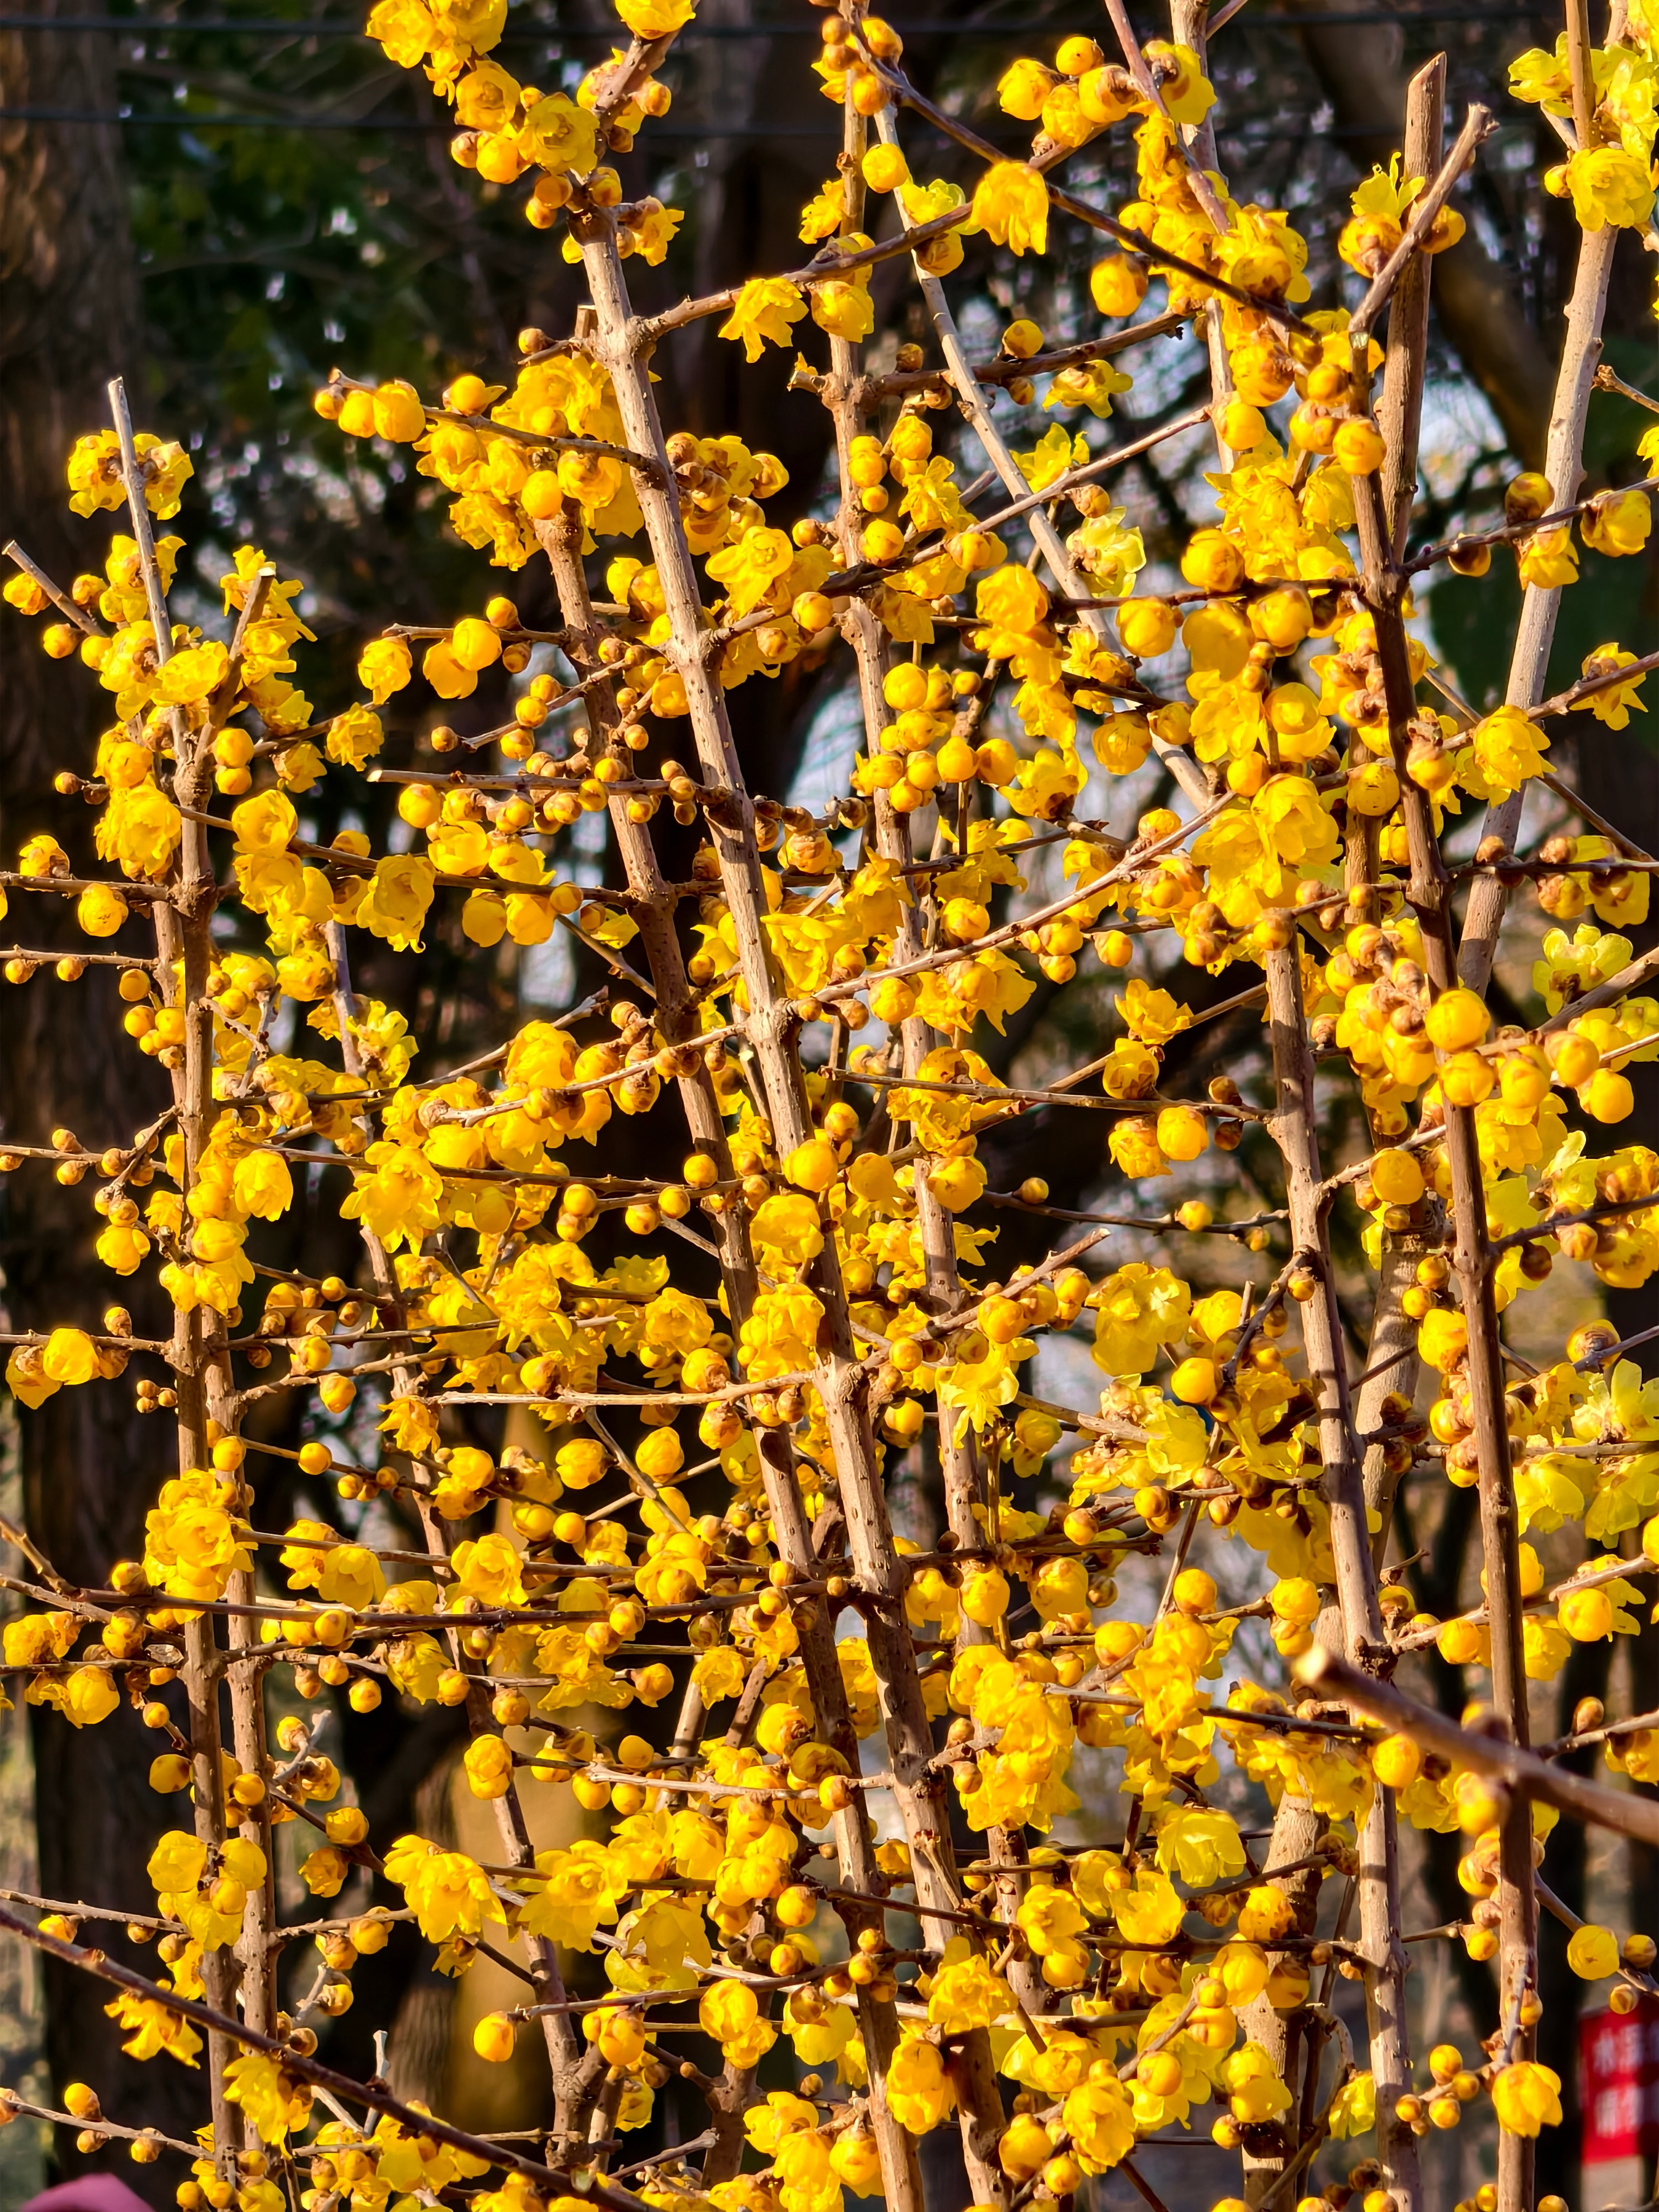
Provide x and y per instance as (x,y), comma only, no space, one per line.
(68,320)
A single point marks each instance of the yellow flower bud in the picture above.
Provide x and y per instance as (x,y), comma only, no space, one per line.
(1396,1762)
(1609,1096)
(494,2037)
(812,1166)
(1457,1018)
(1593,1953)
(1196,1381)
(1117,285)
(885,168)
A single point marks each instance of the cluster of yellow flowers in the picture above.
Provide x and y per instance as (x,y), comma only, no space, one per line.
(839,1311)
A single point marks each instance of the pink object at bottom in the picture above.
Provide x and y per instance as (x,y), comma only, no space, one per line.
(91,2192)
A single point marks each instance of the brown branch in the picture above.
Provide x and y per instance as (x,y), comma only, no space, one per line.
(1619,1810)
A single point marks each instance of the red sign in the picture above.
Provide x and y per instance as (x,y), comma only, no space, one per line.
(1618,2083)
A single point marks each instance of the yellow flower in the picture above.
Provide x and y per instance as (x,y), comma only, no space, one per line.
(140,829)
(70,1356)
(977,1391)
(1099,2116)
(786,1232)
(1549,560)
(176,1863)
(342,1574)
(1353,2109)
(167,467)
(89,1696)
(1023,87)
(95,473)
(652,229)
(487,1568)
(275,2104)
(1611,705)
(152,2029)
(919,2090)
(395,904)
(1593,1953)
(1054,454)
(558,136)
(1151,1015)
(1135,1148)
(1013,601)
(272,881)
(1619,523)
(399,1201)
(385,666)
(354,738)
(449,1892)
(1150,1912)
(822,215)
(1609,186)
(100,911)
(1301,832)
(488,1765)
(966,1994)
(752,567)
(408,1424)
(1050,1919)
(1510,748)
(189,676)
(192,1542)
(447,674)
(326,1872)
(1255,2091)
(655,19)
(1544,79)
(1266,1914)
(1202,1848)
(268,820)
(41,858)
(580,1892)
(1113,555)
(1138,1310)
(730,2012)
(762,311)
(1092,384)
(486,97)
(957,1184)
(1526,2098)
(1587,1615)
(1187,93)
(843,305)
(399,416)
(263,1185)
(38,1637)
(1010,206)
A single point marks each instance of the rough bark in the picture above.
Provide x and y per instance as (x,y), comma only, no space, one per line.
(68,318)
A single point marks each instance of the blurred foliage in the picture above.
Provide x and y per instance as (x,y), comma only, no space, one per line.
(271,253)
(1473,620)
